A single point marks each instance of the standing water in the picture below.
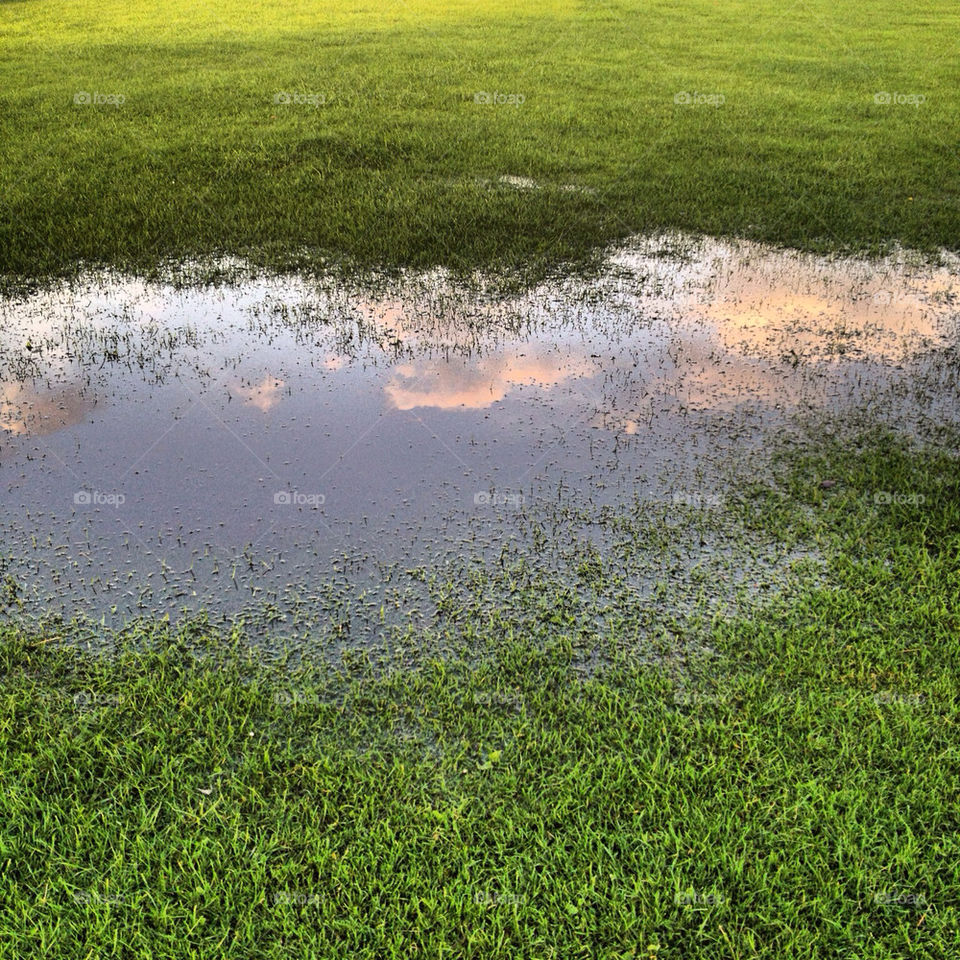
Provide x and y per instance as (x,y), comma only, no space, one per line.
(167,450)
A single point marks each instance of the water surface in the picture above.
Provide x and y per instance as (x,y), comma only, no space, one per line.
(169,449)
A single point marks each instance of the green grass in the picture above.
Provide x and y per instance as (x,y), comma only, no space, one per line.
(786,790)
(790,794)
(399,166)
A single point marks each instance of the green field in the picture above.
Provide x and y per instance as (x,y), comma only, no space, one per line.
(390,160)
(791,795)
(775,782)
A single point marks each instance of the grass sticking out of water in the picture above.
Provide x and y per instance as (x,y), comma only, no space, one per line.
(792,795)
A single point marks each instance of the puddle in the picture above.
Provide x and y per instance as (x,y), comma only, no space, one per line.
(165,450)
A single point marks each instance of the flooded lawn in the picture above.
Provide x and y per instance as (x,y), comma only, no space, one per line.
(168,449)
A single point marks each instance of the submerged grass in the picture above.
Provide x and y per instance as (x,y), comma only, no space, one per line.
(135,134)
(789,793)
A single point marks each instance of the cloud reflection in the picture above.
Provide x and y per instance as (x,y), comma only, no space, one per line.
(264,395)
(481,382)
(25,411)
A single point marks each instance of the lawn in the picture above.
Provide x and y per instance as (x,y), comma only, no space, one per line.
(299,134)
(789,792)
(776,782)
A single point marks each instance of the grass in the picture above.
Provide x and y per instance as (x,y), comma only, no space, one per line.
(394,163)
(774,783)
(790,791)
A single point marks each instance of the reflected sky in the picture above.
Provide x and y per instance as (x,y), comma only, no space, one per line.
(30,409)
(446,385)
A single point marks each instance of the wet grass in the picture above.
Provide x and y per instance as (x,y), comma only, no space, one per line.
(787,791)
(393,162)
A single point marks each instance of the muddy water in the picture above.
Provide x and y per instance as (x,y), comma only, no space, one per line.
(166,450)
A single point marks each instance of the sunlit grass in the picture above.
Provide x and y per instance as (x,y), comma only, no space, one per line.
(396,164)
